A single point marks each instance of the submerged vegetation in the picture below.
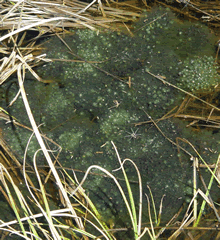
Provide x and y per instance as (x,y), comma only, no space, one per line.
(102,91)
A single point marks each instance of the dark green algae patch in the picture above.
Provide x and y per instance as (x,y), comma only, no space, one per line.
(86,107)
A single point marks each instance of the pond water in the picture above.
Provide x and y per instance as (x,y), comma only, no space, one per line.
(112,97)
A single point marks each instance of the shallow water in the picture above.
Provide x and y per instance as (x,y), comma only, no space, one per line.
(86,109)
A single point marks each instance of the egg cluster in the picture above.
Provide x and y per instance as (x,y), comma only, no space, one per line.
(199,74)
(103,91)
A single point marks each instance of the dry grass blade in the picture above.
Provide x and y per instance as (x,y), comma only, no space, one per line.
(7,67)
(42,145)
(204,11)
(10,64)
(208,9)
(199,115)
(18,203)
(188,93)
(8,159)
(35,216)
(187,219)
(32,14)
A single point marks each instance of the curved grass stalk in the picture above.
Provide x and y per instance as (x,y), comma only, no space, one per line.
(24,206)
(152,235)
(84,195)
(206,195)
(131,195)
(154,207)
(61,225)
(133,214)
(19,234)
(94,213)
(10,197)
(130,207)
(33,196)
(41,142)
(46,214)
(96,216)
(116,182)
(187,219)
